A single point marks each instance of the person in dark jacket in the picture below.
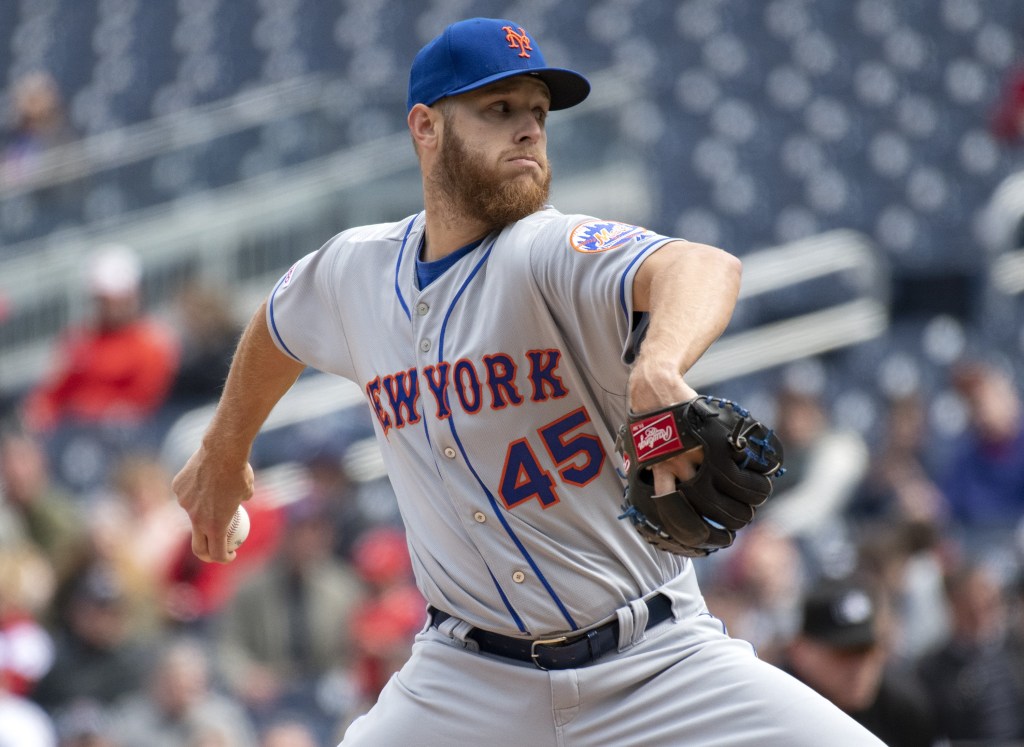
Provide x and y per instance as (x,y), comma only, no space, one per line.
(840,651)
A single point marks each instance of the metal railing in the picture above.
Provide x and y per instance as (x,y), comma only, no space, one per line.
(126,145)
(859,318)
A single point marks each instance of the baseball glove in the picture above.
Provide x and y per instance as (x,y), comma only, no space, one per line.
(704,513)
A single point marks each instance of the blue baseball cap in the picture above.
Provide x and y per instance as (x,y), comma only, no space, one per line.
(473,53)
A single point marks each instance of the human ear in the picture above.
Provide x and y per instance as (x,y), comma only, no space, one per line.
(425,126)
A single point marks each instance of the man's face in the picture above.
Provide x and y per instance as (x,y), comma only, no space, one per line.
(492,164)
(848,677)
(115,311)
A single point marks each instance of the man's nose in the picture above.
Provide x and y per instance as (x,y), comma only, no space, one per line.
(530,130)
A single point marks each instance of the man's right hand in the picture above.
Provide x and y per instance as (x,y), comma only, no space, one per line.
(210,492)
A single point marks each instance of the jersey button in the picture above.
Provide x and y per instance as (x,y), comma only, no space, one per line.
(424,345)
(480,517)
(422,308)
(449,452)
(519,577)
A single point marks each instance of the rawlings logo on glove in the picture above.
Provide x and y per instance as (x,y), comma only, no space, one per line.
(703,514)
(655,436)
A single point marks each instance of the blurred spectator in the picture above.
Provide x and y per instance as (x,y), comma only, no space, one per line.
(44,514)
(385,624)
(824,466)
(117,368)
(154,524)
(972,680)
(109,525)
(840,651)
(331,484)
(39,123)
(209,333)
(97,656)
(287,626)
(984,483)
(26,648)
(755,590)
(180,707)
(901,482)
(907,560)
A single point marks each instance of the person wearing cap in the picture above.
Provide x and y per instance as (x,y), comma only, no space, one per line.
(99,656)
(500,344)
(840,652)
(116,367)
(973,677)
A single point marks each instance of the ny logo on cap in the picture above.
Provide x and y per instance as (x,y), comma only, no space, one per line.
(518,40)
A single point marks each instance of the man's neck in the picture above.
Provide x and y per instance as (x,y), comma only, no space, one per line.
(448,229)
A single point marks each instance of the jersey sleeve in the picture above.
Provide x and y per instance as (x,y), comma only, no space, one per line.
(303,315)
(585,268)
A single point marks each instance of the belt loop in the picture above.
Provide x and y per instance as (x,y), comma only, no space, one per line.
(458,630)
(641,616)
(626,628)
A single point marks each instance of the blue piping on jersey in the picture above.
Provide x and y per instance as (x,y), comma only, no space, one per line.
(490,498)
(405,307)
(625,274)
(398,266)
(508,605)
(426,432)
(273,322)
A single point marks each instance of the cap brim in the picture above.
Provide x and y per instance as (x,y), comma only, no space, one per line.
(567,87)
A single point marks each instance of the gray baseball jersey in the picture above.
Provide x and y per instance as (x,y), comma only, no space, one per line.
(496,392)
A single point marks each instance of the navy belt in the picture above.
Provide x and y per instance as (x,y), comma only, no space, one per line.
(560,652)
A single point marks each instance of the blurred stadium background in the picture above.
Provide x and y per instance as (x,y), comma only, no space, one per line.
(224,139)
(861,156)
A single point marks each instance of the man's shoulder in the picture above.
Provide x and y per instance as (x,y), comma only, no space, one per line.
(547,224)
(583,233)
(547,217)
(383,233)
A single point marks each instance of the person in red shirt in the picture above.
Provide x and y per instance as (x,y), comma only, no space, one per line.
(116,368)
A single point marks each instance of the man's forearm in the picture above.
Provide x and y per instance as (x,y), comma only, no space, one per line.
(260,375)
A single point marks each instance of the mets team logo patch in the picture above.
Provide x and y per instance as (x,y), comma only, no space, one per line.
(593,236)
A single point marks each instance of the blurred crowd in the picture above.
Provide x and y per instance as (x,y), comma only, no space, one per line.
(112,634)
(885,571)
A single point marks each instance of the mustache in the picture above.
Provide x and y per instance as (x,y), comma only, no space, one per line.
(527,155)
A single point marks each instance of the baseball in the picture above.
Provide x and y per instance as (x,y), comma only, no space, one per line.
(238,529)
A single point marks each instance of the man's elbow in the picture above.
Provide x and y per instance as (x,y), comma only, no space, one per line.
(732,267)
(726,269)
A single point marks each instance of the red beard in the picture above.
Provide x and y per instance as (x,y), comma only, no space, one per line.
(470,188)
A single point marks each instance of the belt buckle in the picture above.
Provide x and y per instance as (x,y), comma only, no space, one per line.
(544,642)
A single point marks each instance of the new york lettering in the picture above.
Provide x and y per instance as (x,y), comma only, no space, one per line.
(496,381)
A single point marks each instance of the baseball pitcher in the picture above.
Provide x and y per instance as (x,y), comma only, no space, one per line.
(556,475)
